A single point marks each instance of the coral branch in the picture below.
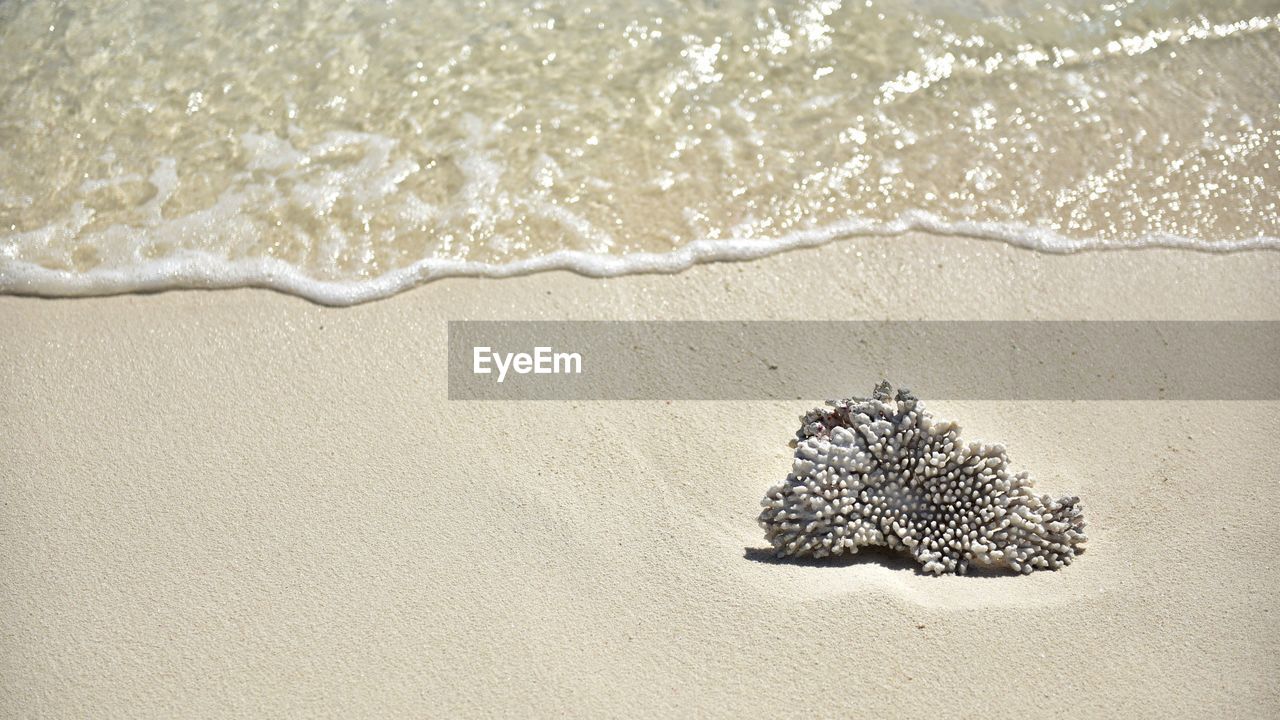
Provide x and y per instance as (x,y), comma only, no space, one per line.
(882,472)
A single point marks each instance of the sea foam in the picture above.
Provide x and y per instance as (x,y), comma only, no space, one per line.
(194,269)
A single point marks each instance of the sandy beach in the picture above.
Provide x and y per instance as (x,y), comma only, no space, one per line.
(238,503)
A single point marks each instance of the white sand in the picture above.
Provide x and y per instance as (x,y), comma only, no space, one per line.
(241,504)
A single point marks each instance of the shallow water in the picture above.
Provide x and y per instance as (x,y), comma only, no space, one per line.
(344,152)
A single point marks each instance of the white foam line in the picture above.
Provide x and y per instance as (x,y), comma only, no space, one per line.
(194,269)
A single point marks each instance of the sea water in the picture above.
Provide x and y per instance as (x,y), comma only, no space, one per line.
(344,151)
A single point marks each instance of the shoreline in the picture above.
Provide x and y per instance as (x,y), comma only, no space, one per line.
(199,271)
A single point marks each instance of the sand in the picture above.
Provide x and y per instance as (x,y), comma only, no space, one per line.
(237,503)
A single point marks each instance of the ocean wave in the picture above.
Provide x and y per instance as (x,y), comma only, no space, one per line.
(200,270)
(329,152)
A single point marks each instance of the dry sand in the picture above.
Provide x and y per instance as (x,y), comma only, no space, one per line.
(240,504)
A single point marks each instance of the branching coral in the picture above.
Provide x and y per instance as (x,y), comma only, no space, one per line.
(882,472)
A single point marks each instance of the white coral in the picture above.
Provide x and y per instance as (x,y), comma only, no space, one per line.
(883,472)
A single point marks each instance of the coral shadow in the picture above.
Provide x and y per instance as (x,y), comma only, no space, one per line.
(865,556)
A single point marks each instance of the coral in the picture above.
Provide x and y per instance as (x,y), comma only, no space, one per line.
(883,472)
